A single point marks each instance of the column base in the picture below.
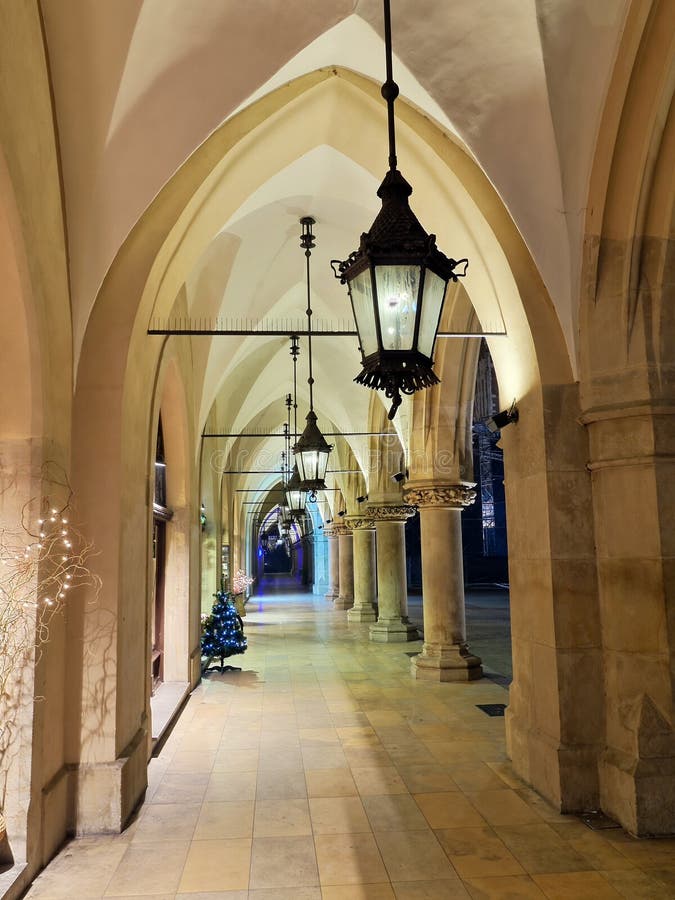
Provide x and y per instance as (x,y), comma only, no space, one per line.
(362,614)
(330,595)
(565,775)
(392,632)
(638,793)
(103,795)
(343,603)
(448,664)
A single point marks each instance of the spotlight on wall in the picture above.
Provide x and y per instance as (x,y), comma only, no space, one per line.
(400,476)
(362,499)
(342,513)
(502,419)
(328,521)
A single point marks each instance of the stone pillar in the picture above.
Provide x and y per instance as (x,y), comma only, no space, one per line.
(333,564)
(445,655)
(632,469)
(365,573)
(345,598)
(392,587)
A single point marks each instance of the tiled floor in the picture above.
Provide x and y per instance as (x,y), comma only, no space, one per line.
(322,771)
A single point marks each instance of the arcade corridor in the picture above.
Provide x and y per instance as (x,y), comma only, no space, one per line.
(322,771)
(187,341)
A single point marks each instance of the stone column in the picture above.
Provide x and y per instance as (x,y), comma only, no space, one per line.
(333,564)
(365,573)
(445,655)
(345,598)
(392,587)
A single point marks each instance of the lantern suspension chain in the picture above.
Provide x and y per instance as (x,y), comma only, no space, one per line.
(389,89)
(287,432)
(307,243)
(295,350)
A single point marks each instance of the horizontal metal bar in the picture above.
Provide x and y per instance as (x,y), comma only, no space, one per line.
(280,434)
(277,472)
(275,490)
(275,332)
(245,332)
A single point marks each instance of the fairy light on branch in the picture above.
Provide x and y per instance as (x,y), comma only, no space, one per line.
(42,560)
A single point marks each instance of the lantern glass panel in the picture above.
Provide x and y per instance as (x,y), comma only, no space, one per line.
(307,460)
(312,465)
(397,290)
(432,303)
(361,290)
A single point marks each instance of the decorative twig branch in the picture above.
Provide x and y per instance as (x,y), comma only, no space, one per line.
(42,560)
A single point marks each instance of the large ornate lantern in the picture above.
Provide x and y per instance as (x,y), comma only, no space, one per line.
(397,280)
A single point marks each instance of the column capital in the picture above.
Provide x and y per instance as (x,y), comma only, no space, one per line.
(398,513)
(341,528)
(361,523)
(453,496)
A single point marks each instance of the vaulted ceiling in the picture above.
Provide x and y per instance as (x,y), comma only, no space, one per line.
(139,85)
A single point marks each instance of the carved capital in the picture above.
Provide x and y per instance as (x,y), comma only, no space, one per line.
(342,528)
(391,513)
(454,496)
(360,523)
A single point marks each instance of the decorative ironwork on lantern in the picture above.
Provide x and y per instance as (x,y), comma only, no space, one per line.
(397,280)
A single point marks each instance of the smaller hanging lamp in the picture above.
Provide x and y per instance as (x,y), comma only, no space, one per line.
(285,510)
(311,450)
(296,497)
(296,494)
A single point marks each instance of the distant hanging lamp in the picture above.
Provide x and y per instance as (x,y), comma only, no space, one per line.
(397,280)
(295,494)
(284,512)
(311,450)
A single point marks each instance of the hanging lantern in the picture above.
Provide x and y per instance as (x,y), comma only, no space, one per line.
(296,497)
(397,280)
(311,450)
(311,454)
(284,518)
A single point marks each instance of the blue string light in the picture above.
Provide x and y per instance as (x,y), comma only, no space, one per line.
(223,631)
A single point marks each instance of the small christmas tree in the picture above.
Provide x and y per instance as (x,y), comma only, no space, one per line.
(223,631)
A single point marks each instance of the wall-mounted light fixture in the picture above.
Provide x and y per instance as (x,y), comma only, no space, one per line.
(400,476)
(502,419)
(362,499)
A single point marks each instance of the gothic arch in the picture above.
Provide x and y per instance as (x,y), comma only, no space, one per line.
(146,278)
